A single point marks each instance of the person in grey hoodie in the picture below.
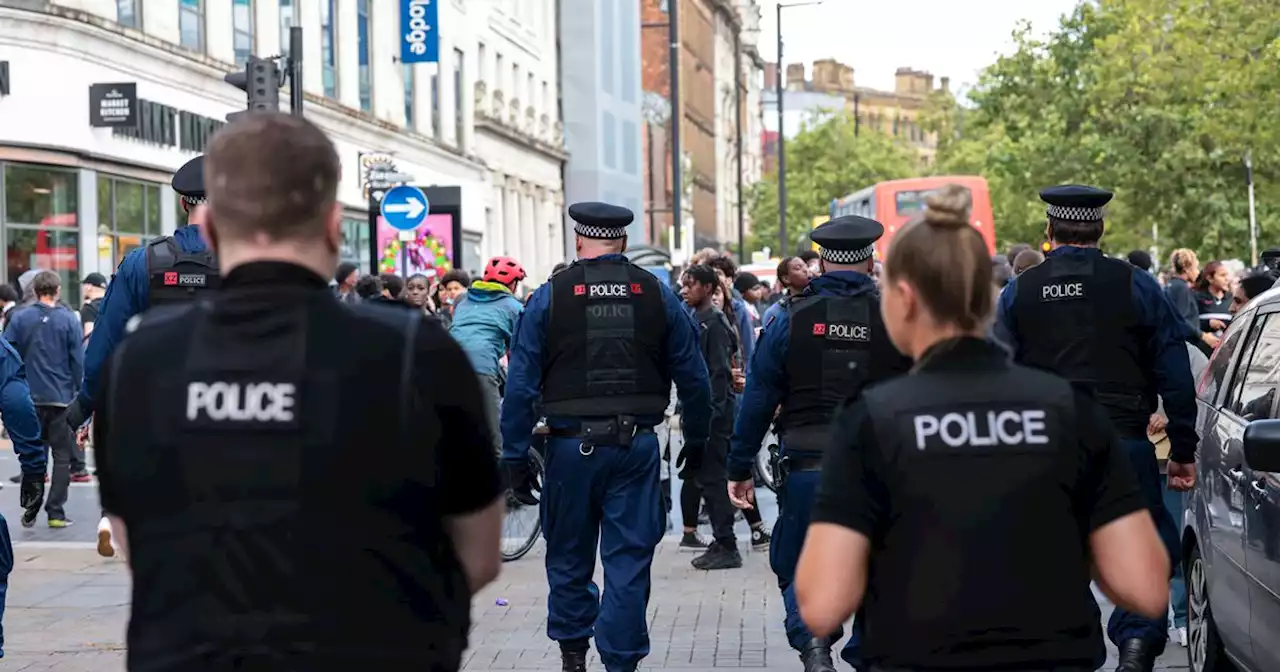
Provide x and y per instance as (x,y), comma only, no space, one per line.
(484,320)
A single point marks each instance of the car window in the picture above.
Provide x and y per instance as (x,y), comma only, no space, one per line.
(1259,372)
(1220,363)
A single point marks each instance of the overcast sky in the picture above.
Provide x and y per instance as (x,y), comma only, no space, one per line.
(952,38)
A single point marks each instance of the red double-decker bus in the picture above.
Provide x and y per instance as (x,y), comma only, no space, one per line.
(895,202)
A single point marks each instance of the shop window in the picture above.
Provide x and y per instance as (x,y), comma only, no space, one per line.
(355,242)
(40,224)
(128,217)
(191,24)
(242,30)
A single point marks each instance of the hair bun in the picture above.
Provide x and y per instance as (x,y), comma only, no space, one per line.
(948,207)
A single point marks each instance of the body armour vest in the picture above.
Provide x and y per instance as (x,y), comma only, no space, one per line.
(828,360)
(174,276)
(606,342)
(1076,317)
(240,437)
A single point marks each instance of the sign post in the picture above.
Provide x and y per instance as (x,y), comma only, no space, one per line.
(405,208)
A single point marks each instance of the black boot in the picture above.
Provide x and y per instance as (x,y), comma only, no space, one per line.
(573,659)
(1136,655)
(816,656)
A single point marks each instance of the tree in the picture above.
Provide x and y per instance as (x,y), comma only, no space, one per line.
(827,160)
(1157,100)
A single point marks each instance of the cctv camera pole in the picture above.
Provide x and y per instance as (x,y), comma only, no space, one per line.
(677,116)
(783,248)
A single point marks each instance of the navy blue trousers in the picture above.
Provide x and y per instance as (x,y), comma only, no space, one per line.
(1124,625)
(6,566)
(611,499)
(795,503)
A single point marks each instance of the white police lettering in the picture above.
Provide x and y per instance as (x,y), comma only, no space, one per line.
(262,402)
(849,332)
(979,429)
(608,290)
(416,36)
(191,280)
(1063,290)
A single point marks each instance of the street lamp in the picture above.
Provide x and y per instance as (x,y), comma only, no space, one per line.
(783,247)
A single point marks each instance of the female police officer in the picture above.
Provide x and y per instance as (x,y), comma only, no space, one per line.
(978,490)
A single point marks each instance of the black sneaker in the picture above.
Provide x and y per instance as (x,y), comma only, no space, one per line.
(692,543)
(573,661)
(718,556)
(760,539)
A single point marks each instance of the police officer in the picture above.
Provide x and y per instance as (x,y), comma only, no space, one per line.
(600,344)
(1108,328)
(962,505)
(233,443)
(827,346)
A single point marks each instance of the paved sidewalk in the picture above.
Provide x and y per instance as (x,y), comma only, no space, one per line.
(67,610)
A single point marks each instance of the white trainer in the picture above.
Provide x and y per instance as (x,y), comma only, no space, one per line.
(106,547)
(1182,637)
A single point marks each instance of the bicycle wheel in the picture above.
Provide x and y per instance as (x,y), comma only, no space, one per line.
(522,525)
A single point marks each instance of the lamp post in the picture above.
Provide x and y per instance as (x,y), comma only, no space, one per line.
(783,246)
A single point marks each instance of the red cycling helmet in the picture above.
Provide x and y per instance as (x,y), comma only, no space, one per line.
(504,270)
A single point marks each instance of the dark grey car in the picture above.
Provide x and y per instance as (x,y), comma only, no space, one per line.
(1231,526)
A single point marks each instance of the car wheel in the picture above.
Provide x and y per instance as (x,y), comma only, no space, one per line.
(1204,647)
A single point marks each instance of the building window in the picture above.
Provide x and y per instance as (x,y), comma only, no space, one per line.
(328,55)
(607,43)
(129,13)
(630,157)
(629,53)
(40,224)
(609,140)
(191,24)
(499,73)
(435,106)
(242,29)
(362,33)
(410,92)
(128,217)
(286,22)
(459,93)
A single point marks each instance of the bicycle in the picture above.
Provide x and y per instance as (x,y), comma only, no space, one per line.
(764,468)
(516,546)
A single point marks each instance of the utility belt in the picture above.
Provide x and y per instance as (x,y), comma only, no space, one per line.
(618,430)
(784,465)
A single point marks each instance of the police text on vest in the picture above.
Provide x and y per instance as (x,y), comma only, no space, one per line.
(848,332)
(1062,290)
(236,402)
(982,428)
(607,290)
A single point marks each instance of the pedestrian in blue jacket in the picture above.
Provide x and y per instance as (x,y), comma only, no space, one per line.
(484,320)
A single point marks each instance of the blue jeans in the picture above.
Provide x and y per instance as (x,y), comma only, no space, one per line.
(795,502)
(1174,502)
(6,566)
(612,497)
(1124,625)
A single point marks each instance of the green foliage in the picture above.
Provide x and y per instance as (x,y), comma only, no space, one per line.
(1157,100)
(826,160)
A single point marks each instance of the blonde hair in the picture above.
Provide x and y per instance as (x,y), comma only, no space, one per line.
(945,259)
(1181,260)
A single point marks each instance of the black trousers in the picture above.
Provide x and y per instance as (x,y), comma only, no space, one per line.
(61,442)
(713,480)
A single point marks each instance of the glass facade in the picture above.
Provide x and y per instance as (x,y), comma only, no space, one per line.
(41,226)
(191,24)
(242,29)
(129,13)
(362,49)
(128,217)
(328,51)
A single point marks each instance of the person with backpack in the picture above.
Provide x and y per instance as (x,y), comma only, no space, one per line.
(484,320)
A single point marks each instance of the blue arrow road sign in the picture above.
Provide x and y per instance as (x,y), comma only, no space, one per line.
(405,208)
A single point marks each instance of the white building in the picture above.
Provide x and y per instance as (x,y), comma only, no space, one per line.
(737,119)
(76,197)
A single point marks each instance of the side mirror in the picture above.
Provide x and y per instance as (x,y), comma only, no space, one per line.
(1262,445)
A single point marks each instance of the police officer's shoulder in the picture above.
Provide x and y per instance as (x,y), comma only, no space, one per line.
(166,316)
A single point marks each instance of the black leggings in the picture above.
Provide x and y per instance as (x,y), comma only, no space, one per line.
(691,504)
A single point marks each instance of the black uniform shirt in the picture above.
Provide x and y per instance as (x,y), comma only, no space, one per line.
(979,561)
(391,585)
(718,348)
